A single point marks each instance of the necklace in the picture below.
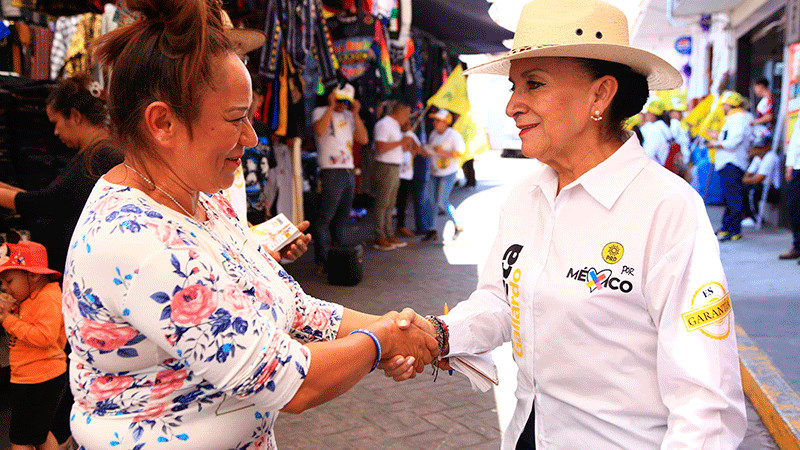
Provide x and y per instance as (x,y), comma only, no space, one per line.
(150,182)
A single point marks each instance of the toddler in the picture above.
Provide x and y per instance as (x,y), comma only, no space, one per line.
(30,311)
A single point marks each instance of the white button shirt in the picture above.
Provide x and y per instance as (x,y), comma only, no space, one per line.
(793,149)
(734,136)
(614,299)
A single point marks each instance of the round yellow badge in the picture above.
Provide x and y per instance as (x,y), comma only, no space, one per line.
(612,252)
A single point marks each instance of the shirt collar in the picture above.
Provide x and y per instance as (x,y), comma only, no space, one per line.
(606,181)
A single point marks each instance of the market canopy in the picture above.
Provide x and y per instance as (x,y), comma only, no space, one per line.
(464,25)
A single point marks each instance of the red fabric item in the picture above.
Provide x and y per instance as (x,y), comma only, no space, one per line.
(674,149)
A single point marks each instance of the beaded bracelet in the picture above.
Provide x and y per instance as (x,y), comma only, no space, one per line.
(375,340)
(442,334)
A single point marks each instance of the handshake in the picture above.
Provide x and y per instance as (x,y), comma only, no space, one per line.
(408,343)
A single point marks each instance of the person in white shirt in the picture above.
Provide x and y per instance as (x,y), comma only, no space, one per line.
(406,184)
(336,126)
(730,162)
(763,123)
(792,175)
(680,135)
(605,273)
(763,170)
(655,133)
(446,146)
(390,143)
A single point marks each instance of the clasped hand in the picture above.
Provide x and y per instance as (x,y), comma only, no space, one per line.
(407,345)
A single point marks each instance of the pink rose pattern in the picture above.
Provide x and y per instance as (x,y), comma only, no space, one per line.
(105,335)
(201,312)
(192,304)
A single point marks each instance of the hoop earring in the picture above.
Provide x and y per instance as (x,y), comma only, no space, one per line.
(596,116)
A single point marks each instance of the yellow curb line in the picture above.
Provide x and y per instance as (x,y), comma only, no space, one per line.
(776,402)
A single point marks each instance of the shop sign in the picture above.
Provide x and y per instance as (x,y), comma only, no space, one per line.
(683,45)
(793,72)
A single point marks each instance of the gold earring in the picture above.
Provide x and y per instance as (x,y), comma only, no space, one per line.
(596,116)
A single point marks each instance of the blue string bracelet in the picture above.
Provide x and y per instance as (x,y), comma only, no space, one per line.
(375,340)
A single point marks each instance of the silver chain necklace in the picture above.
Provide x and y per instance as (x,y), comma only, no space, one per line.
(149,181)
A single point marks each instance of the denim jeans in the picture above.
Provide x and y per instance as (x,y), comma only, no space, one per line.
(442,186)
(423,209)
(335,203)
(730,179)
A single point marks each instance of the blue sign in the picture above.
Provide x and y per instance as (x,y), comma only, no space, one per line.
(684,45)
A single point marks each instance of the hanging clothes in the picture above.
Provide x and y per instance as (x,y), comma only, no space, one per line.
(62,37)
(79,58)
(40,59)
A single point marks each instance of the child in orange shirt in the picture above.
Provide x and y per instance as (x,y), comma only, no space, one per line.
(36,327)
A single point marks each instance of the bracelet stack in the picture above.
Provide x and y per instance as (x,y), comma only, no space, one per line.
(442,334)
(375,340)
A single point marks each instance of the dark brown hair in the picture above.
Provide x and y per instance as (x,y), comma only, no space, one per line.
(632,91)
(74,93)
(165,55)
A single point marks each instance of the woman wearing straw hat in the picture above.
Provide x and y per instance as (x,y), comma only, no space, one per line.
(605,273)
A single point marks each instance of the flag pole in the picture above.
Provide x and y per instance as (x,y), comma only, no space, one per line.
(419,118)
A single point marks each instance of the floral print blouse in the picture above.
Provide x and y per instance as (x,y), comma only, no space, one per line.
(183,335)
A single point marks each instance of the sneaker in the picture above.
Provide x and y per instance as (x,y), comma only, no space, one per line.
(730,237)
(748,222)
(383,244)
(431,235)
(791,254)
(396,242)
(721,234)
(405,232)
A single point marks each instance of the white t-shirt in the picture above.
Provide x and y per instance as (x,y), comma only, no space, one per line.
(450,140)
(407,166)
(767,166)
(388,130)
(656,136)
(335,146)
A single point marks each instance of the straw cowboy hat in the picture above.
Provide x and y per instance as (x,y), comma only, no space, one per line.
(245,39)
(580,29)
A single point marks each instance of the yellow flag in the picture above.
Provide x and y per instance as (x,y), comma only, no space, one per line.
(474,135)
(453,93)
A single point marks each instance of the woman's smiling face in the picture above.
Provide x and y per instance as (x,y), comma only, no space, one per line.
(551,103)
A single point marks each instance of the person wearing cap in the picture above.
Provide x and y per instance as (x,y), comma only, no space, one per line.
(679,131)
(605,273)
(390,144)
(730,162)
(655,133)
(31,314)
(336,126)
(446,145)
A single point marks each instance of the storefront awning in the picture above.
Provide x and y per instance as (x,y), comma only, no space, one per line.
(464,25)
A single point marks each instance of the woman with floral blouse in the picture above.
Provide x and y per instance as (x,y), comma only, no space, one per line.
(185,332)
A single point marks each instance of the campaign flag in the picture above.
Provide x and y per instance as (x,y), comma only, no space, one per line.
(452,95)
(474,135)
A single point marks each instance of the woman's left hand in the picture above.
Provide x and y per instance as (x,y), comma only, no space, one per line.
(296,249)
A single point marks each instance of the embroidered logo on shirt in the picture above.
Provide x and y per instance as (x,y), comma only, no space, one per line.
(599,279)
(710,311)
(613,252)
(511,282)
